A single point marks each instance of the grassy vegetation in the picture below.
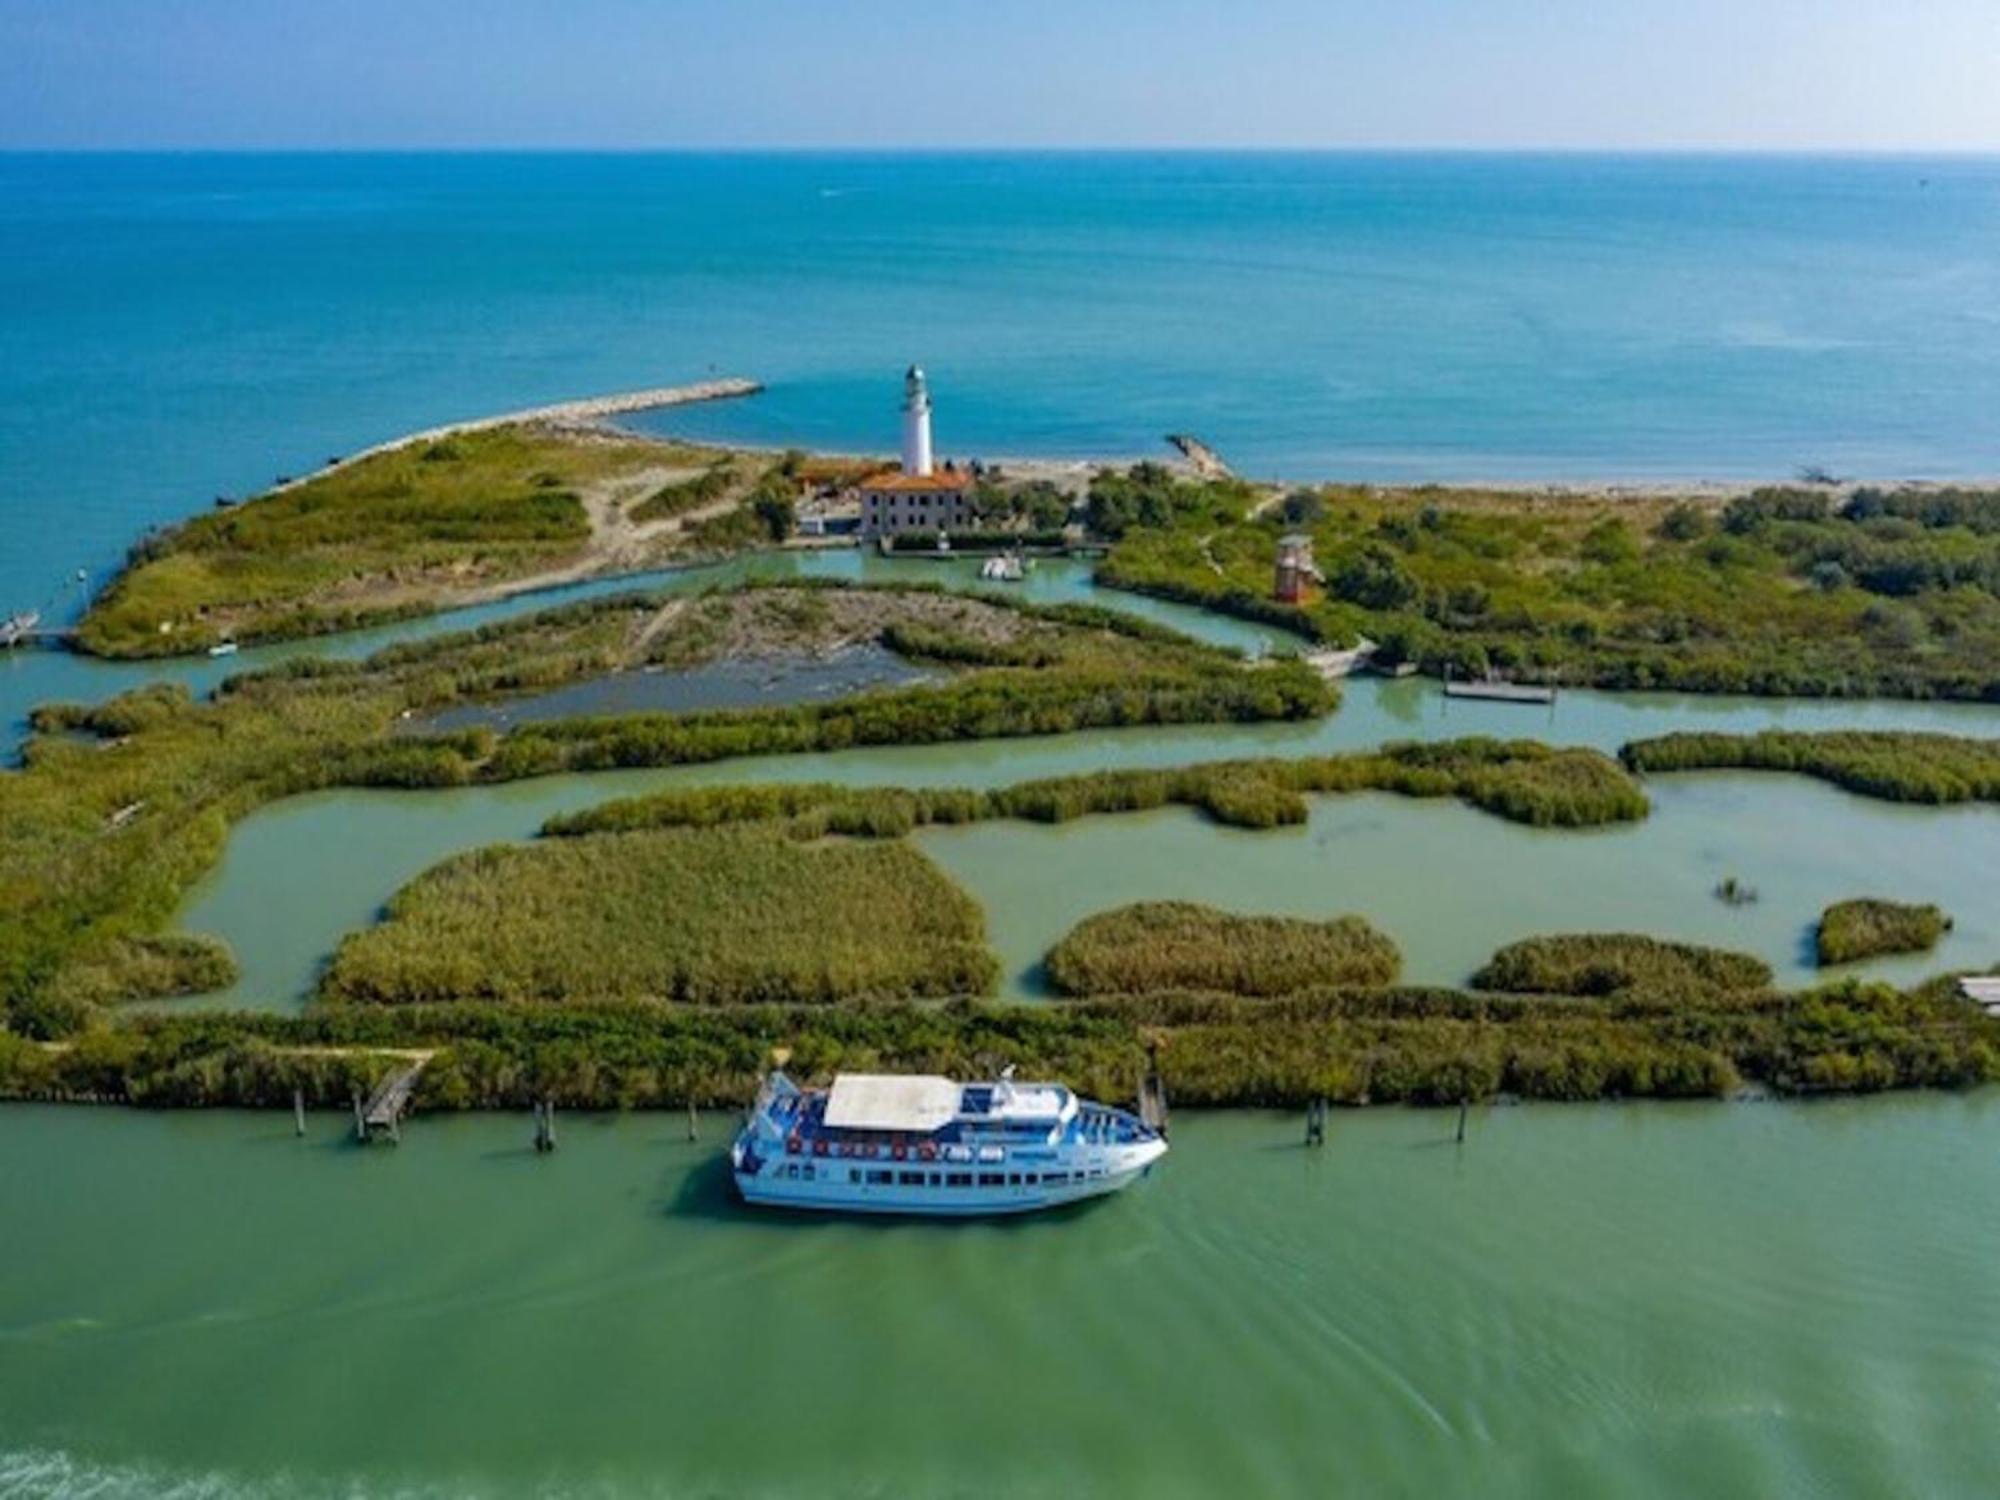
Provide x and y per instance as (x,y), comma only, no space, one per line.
(1153,946)
(1851,930)
(1353,1046)
(1885,593)
(1895,765)
(389,535)
(1516,779)
(1618,963)
(683,495)
(710,916)
(120,807)
(157,967)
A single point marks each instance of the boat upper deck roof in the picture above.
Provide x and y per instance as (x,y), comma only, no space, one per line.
(886,1101)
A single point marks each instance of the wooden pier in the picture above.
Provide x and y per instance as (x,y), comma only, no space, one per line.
(28,630)
(381,1114)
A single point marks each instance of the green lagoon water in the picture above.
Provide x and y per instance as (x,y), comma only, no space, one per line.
(1619,1301)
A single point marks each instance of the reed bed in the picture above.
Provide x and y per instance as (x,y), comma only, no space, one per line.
(1153,946)
(1852,930)
(1520,780)
(1893,765)
(716,916)
(1618,963)
(1351,1046)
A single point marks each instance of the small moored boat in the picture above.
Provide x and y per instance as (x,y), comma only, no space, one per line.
(914,1144)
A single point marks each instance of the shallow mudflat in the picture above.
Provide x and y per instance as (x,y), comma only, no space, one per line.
(717,685)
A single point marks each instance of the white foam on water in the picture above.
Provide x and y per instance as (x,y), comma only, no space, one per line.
(55,1474)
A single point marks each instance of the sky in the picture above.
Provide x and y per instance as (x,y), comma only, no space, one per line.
(634,74)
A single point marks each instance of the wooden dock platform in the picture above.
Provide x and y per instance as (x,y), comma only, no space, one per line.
(382,1113)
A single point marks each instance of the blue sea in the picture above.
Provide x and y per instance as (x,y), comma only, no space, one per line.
(177,327)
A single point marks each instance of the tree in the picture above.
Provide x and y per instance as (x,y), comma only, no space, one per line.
(1374,579)
(1684,523)
(777,514)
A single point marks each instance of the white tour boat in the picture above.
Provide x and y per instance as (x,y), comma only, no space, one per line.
(910,1144)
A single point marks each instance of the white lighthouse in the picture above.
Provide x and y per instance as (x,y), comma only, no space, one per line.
(916,423)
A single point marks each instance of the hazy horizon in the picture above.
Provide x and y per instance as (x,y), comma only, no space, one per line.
(1698,76)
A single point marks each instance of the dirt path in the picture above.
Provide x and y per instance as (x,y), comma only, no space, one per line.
(618,544)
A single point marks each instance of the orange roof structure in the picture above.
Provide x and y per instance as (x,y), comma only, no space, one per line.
(896,482)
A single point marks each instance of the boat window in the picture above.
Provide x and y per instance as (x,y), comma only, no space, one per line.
(853,1174)
(958,1179)
(910,1179)
(992,1179)
(936,1178)
(1013,1179)
(880,1178)
(810,1173)
(792,1169)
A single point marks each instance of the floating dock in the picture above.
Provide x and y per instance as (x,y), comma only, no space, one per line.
(1501,692)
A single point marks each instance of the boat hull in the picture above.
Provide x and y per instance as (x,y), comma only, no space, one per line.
(836,1195)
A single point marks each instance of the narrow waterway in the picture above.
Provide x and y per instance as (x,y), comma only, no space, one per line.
(28,678)
(1629,1300)
(1448,883)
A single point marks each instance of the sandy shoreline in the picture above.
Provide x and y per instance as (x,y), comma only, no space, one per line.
(1075,473)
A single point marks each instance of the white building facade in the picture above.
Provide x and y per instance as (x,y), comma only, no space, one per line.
(918,497)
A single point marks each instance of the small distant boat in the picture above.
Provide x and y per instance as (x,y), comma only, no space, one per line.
(918,1144)
(1005,567)
(17,628)
(223,648)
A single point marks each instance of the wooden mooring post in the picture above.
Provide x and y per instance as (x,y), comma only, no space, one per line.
(694,1121)
(360,1121)
(1153,1093)
(1316,1122)
(298,1111)
(1460,1138)
(545,1125)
